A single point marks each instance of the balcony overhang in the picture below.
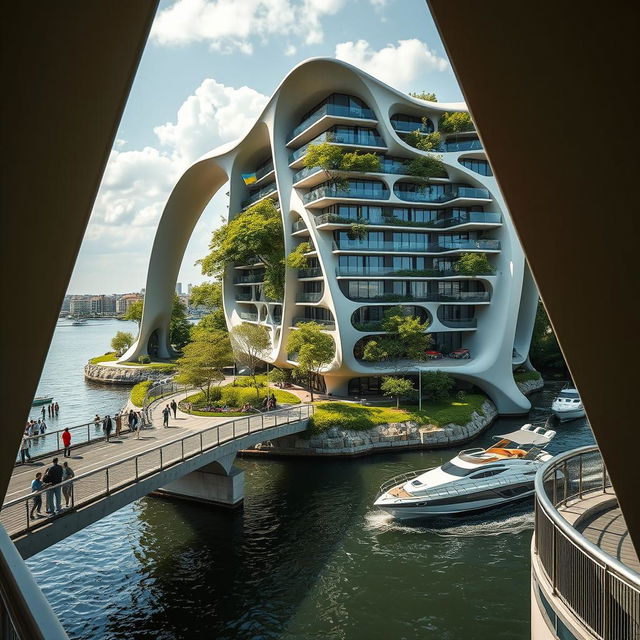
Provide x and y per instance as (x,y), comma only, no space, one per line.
(324,123)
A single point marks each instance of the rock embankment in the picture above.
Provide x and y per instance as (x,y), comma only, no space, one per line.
(121,375)
(529,386)
(345,442)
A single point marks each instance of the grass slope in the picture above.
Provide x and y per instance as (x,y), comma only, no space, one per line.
(157,366)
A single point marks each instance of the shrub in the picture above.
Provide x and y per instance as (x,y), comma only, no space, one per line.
(526,376)
(144,359)
(436,385)
(473,264)
(231,396)
(456,122)
(139,391)
(461,395)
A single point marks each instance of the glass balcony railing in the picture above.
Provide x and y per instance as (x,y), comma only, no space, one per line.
(345,244)
(244,297)
(332,110)
(391,220)
(430,194)
(264,169)
(247,315)
(356,272)
(309,297)
(462,145)
(314,272)
(387,165)
(362,138)
(379,192)
(299,225)
(467,323)
(460,296)
(327,324)
(407,127)
(261,193)
(250,278)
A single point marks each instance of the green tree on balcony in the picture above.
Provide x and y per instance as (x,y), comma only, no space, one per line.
(297,259)
(455,122)
(473,264)
(254,233)
(315,348)
(405,339)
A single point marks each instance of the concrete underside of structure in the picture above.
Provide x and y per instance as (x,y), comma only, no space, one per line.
(490,315)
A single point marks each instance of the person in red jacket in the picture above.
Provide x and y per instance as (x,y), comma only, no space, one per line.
(66,441)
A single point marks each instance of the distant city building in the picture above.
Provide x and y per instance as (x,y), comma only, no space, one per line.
(80,306)
(124,302)
(66,304)
(179,288)
(103,305)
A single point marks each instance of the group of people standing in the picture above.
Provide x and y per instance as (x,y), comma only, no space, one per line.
(32,431)
(52,409)
(166,413)
(133,418)
(54,476)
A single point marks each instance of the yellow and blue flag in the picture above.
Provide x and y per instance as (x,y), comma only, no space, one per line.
(249,178)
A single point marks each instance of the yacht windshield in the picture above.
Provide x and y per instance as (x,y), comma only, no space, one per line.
(568,394)
(455,470)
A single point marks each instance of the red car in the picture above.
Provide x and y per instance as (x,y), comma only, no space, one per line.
(433,355)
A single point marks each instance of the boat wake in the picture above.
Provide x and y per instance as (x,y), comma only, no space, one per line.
(507,520)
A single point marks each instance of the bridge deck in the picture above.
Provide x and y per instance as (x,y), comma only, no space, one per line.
(109,475)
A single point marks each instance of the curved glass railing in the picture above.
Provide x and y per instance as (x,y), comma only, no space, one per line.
(411,124)
(362,113)
(313,272)
(358,272)
(346,244)
(436,194)
(333,191)
(391,220)
(309,296)
(247,315)
(460,296)
(462,145)
(249,279)
(330,325)
(362,138)
(261,193)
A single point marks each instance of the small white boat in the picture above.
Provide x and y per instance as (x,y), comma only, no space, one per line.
(568,405)
(78,322)
(474,480)
(38,400)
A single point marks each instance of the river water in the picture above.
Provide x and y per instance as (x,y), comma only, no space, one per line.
(306,558)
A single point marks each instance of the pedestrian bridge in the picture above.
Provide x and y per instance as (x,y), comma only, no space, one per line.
(192,459)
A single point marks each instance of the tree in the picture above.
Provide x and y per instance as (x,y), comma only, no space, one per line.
(421,139)
(406,338)
(426,167)
(332,159)
(134,312)
(209,296)
(276,376)
(436,385)
(473,264)
(315,348)
(424,95)
(253,233)
(456,122)
(251,343)
(397,387)
(179,326)
(296,259)
(121,342)
(202,362)
(545,350)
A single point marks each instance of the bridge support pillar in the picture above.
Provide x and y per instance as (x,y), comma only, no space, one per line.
(215,484)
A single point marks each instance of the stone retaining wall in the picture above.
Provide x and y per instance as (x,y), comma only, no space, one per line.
(530,386)
(121,375)
(345,442)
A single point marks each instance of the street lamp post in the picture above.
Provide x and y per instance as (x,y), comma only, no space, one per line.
(419,389)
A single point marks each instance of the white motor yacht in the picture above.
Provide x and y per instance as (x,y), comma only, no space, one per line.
(568,405)
(475,479)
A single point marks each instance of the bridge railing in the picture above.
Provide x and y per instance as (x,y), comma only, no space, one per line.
(159,391)
(94,485)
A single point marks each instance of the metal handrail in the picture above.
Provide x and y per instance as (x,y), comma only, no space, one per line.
(401,478)
(563,552)
(297,413)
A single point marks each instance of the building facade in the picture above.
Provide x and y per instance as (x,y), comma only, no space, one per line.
(410,236)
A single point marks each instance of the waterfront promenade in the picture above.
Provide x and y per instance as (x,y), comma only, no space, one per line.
(109,475)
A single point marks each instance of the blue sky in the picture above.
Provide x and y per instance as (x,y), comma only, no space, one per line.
(206,72)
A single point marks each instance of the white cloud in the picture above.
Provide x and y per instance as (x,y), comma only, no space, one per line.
(230,24)
(290,50)
(212,115)
(398,65)
(137,184)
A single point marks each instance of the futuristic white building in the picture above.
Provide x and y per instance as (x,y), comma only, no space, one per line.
(414,235)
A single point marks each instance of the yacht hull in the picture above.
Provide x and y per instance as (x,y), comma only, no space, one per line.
(565,416)
(415,509)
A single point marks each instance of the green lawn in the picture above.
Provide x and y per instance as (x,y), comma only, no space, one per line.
(158,366)
(525,376)
(139,391)
(235,397)
(358,417)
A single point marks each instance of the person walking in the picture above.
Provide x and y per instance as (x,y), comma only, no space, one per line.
(42,412)
(174,408)
(107,426)
(43,427)
(52,478)
(118,424)
(67,489)
(66,441)
(36,486)
(165,416)
(57,408)
(24,448)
